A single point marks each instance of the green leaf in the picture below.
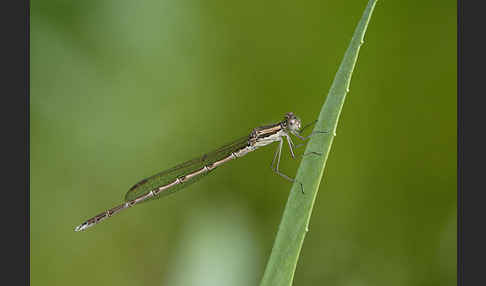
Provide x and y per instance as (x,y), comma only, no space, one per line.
(294,225)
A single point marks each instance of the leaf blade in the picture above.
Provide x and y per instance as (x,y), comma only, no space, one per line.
(293,227)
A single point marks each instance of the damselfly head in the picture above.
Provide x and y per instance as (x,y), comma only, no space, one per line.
(292,122)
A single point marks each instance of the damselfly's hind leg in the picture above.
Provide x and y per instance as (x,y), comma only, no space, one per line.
(277,155)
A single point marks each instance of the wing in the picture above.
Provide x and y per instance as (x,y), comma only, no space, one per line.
(168,176)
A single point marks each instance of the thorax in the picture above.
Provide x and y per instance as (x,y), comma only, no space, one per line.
(265,135)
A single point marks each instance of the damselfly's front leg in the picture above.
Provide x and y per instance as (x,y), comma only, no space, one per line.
(305,138)
(308,136)
(307,125)
(308,153)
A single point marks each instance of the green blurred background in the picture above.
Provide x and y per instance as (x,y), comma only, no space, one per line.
(123,89)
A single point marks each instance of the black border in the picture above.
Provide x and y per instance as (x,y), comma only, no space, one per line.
(14,116)
(471,208)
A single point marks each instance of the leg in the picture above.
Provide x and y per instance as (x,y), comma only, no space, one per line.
(315,153)
(275,156)
(279,152)
(307,125)
(308,136)
(289,140)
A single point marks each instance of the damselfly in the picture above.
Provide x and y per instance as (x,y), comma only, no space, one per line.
(189,172)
